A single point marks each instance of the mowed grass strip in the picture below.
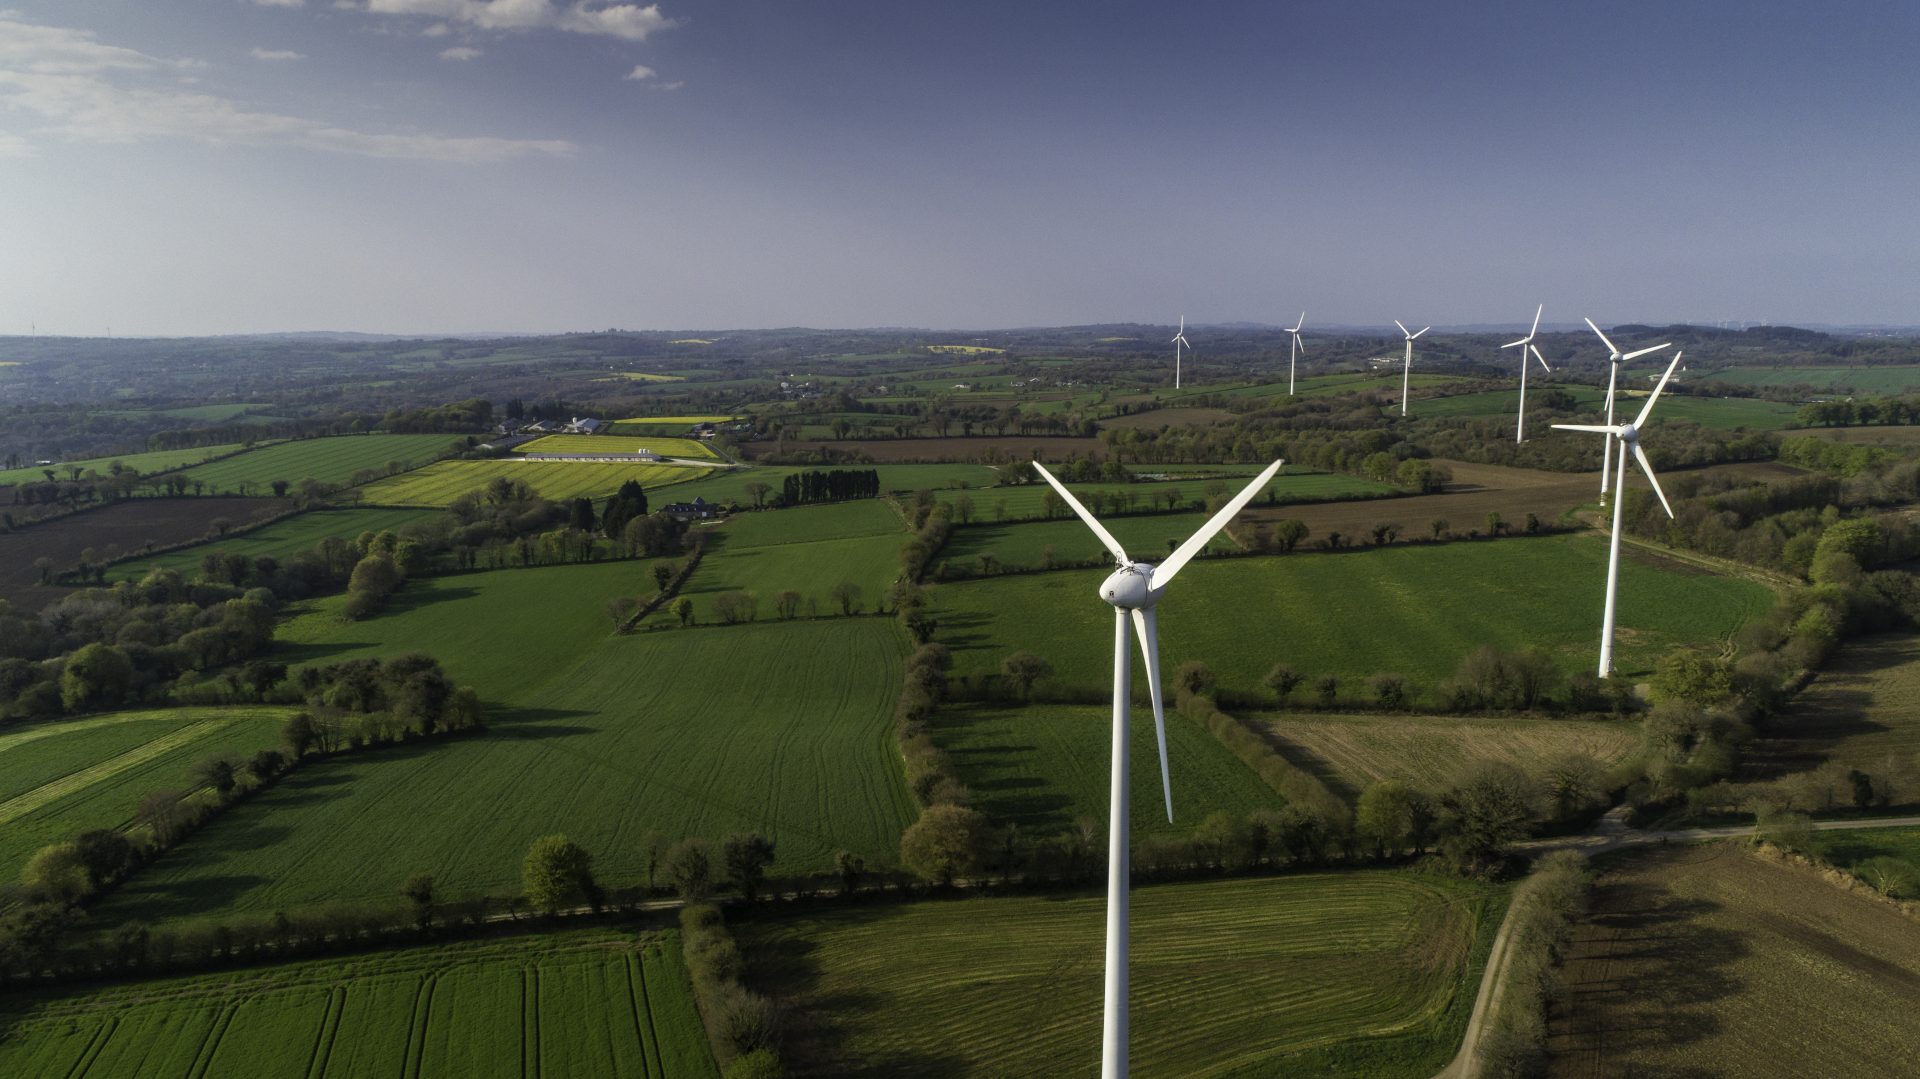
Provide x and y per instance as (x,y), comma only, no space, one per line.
(1270,975)
(780,728)
(598,444)
(1352,752)
(280,540)
(1044,767)
(453,1010)
(1414,609)
(437,485)
(329,460)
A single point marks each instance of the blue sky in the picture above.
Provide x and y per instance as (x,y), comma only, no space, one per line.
(214,166)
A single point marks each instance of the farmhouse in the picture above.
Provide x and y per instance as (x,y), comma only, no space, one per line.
(697,510)
(587,426)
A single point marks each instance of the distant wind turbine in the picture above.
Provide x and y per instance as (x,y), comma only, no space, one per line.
(1133,589)
(1525,345)
(1629,436)
(1613,375)
(1179,339)
(1299,346)
(1406,375)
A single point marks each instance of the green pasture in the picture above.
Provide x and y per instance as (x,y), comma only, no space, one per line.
(1876,379)
(1719,412)
(1147,536)
(1847,849)
(144,463)
(438,484)
(781,728)
(1028,501)
(576,1002)
(1044,767)
(731,486)
(331,460)
(63,777)
(1414,609)
(1361,973)
(811,568)
(805,524)
(280,540)
(592,444)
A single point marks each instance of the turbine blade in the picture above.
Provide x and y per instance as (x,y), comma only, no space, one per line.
(1537,312)
(1522,341)
(1302,322)
(1643,352)
(1543,360)
(1603,338)
(1596,428)
(1423,329)
(1148,632)
(1302,342)
(1402,325)
(1106,537)
(1646,466)
(1184,553)
(1647,409)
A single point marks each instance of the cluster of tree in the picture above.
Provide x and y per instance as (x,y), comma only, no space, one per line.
(1539,928)
(1779,525)
(1682,444)
(1864,412)
(930,773)
(401,697)
(833,485)
(472,414)
(133,642)
(743,1027)
(932,523)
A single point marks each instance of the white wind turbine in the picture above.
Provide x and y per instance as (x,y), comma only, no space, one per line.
(1133,590)
(1615,359)
(1179,339)
(1406,375)
(1525,345)
(1293,356)
(1629,436)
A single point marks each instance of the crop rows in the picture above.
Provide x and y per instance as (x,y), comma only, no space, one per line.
(329,460)
(582,1003)
(439,484)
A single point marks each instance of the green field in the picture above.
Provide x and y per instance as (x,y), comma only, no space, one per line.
(731,486)
(143,463)
(61,778)
(1028,501)
(590,444)
(1026,545)
(280,540)
(810,568)
(1353,974)
(437,485)
(576,1002)
(1858,712)
(784,728)
(1044,767)
(804,524)
(1719,412)
(1876,379)
(330,460)
(1414,609)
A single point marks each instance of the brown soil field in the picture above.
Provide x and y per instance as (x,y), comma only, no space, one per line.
(983,449)
(1168,417)
(1701,961)
(130,525)
(1862,708)
(1350,752)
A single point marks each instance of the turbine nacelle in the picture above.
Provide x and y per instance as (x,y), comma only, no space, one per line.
(1130,588)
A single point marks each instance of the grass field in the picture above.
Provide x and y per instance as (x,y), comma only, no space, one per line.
(1028,501)
(1720,412)
(1357,974)
(784,728)
(128,525)
(810,568)
(577,1002)
(1413,609)
(1847,849)
(804,524)
(143,463)
(1858,711)
(588,444)
(1026,545)
(1699,961)
(1044,767)
(437,485)
(1351,752)
(280,540)
(329,460)
(639,376)
(731,485)
(58,779)
(1875,379)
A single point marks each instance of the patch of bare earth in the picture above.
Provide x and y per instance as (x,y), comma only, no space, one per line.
(1702,961)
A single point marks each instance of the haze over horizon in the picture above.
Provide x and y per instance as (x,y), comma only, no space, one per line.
(423,166)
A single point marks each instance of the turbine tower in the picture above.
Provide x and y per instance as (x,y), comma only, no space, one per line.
(1406,374)
(1293,356)
(1629,436)
(1179,339)
(1525,345)
(1613,375)
(1133,590)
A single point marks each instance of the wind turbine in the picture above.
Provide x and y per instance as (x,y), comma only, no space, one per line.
(1525,345)
(1629,436)
(1406,375)
(1133,590)
(1178,340)
(1613,375)
(1299,346)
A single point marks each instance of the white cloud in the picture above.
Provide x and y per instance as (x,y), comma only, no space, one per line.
(13,146)
(631,22)
(438,29)
(279,3)
(675,85)
(277,54)
(640,71)
(459,52)
(80,89)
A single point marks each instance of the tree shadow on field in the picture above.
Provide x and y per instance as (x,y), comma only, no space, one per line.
(1645,973)
(298,654)
(540,723)
(187,899)
(964,632)
(1833,710)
